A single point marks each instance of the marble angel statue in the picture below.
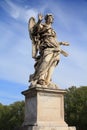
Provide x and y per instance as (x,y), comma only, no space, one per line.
(46,49)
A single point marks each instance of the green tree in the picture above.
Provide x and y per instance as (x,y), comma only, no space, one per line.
(4,116)
(76,107)
(12,116)
(17,114)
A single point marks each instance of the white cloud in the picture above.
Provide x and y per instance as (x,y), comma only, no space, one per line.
(16,62)
(14,54)
(19,12)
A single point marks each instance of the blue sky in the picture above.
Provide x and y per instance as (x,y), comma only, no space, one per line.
(16,63)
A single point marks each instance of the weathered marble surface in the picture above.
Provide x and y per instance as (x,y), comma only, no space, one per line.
(46,50)
(44,109)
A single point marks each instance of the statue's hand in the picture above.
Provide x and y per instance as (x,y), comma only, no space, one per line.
(65,43)
(40,17)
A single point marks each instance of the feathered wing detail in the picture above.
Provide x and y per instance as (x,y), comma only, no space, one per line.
(31,25)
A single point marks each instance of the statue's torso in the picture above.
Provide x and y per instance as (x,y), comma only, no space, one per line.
(47,37)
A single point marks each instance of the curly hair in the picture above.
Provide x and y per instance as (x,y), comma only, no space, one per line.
(47,15)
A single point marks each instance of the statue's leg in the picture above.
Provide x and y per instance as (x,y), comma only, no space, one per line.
(44,67)
(49,74)
(51,69)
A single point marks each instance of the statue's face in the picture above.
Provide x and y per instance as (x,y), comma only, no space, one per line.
(49,19)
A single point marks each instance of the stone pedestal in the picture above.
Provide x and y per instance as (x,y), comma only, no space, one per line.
(44,109)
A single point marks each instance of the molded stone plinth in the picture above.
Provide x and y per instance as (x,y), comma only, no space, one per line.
(47,128)
(44,109)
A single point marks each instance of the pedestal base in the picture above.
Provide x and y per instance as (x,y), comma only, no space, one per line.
(44,109)
(47,128)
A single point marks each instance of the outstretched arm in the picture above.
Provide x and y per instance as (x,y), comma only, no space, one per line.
(40,18)
(62,51)
(38,25)
(64,43)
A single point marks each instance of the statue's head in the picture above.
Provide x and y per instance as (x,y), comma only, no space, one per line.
(49,18)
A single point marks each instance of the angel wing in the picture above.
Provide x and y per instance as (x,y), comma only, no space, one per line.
(31,25)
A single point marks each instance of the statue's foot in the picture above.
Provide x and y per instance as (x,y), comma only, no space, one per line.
(41,82)
(52,85)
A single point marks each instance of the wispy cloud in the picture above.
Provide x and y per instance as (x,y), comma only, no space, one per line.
(15,48)
(18,12)
(16,62)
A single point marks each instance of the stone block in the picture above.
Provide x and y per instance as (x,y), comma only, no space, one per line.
(44,109)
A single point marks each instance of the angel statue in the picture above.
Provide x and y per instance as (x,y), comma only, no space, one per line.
(45,50)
